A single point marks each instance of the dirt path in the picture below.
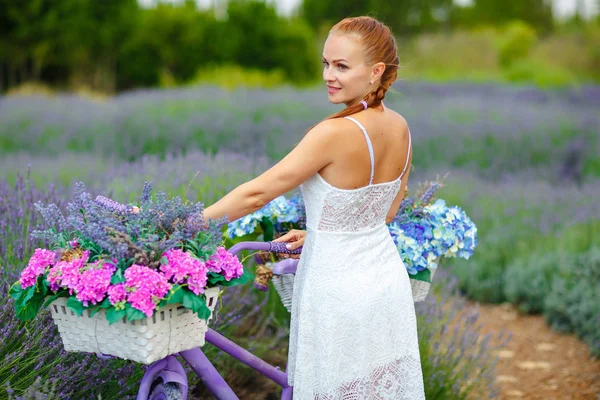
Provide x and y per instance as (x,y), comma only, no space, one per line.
(539,363)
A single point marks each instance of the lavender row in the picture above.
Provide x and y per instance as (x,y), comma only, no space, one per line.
(488,129)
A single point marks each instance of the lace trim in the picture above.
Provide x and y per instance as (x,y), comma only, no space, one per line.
(397,380)
(356,210)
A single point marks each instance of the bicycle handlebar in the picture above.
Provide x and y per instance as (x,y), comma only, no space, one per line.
(273,247)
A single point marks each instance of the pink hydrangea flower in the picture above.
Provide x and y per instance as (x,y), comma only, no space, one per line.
(117,293)
(226,264)
(213,264)
(67,274)
(197,281)
(93,285)
(143,300)
(179,265)
(182,267)
(146,287)
(37,265)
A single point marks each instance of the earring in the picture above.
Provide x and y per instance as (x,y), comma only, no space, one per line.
(370,82)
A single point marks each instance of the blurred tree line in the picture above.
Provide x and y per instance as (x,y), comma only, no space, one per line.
(112,45)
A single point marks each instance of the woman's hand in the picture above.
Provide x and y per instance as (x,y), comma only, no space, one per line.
(294,239)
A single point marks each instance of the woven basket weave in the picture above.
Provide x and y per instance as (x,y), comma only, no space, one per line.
(171,329)
(284,284)
(420,289)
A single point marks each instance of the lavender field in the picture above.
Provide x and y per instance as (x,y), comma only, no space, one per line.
(522,162)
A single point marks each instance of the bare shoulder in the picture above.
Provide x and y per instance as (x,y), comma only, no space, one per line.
(329,129)
(398,120)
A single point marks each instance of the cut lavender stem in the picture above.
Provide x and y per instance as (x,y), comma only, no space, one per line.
(111,205)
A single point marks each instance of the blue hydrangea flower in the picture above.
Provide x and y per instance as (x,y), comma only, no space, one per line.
(282,210)
(440,231)
(284,214)
(245,225)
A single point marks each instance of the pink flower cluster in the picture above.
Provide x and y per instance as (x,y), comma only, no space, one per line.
(226,264)
(117,294)
(67,274)
(37,265)
(94,282)
(145,288)
(182,267)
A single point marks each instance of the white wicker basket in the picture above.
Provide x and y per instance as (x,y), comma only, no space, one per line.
(171,329)
(284,284)
(420,289)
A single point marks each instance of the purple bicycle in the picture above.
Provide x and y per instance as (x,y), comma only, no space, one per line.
(166,379)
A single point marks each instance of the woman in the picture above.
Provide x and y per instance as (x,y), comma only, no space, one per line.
(353,331)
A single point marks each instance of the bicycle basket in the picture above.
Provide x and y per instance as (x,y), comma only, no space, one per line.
(169,330)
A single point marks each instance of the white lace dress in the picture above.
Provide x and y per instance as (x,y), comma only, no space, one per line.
(353,333)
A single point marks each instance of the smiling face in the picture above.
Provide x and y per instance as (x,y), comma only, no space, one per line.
(345,69)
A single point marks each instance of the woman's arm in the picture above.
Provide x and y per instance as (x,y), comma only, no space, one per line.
(313,153)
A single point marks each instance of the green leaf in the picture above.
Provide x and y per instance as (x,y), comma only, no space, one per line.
(113,315)
(41,285)
(105,304)
(424,276)
(196,303)
(242,280)
(123,264)
(117,277)
(175,296)
(26,297)
(133,313)
(16,291)
(267,227)
(50,299)
(192,245)
(75,305)
(30,309)
(215,279)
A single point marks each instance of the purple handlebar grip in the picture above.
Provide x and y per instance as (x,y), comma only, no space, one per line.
(279,247)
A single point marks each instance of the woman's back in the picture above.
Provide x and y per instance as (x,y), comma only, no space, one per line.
(389,136)
(350,194)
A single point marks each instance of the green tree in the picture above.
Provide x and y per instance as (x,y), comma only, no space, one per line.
(260,38)
(56,40)
(102,28)
(27,39)
(402,16)
(320,13)
(537,13)
(171,40)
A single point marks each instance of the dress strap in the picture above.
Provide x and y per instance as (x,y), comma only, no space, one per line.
(407,154)
(362,128)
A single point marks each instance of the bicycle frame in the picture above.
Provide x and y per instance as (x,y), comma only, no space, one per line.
(170,370)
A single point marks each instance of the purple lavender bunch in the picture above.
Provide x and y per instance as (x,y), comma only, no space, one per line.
(429,193)
(140,235)
(411,208)
(111,205)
